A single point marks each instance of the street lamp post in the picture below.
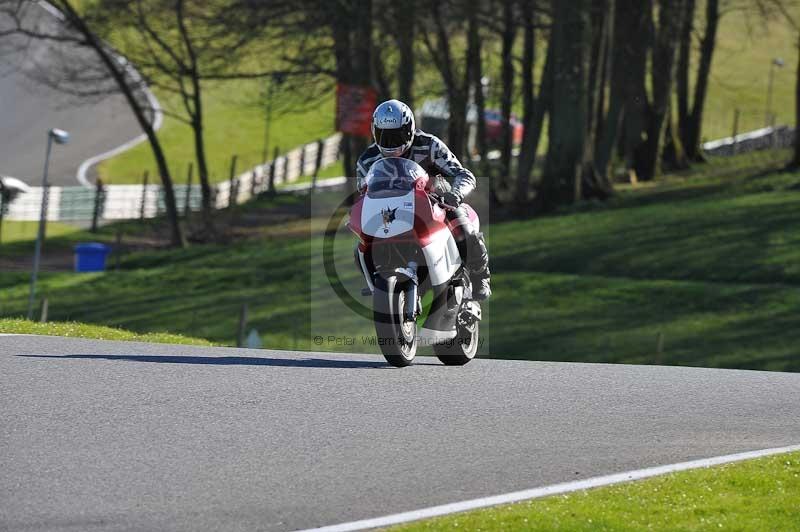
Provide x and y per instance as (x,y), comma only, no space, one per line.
(777,62)
(59,136)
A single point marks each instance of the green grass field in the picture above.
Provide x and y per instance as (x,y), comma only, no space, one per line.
(235,111)
(235,124)
(83,330)
(761,494)
(704,264)
(21,231)
(746,47)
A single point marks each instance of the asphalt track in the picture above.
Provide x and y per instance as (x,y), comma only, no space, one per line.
(129,436)
(28,110)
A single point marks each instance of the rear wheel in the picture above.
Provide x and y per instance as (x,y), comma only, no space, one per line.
(460,349)
(397,337)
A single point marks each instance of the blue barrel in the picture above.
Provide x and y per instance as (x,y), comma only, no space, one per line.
(91,257)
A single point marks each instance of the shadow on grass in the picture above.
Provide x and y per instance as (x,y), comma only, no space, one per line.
(230,361)
(595,319)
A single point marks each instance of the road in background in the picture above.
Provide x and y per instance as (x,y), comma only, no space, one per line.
(28,110)
(133,436)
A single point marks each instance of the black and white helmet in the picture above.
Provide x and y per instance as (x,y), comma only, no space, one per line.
(393,128)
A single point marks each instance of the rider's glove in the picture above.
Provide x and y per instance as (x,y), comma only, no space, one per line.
(452,198)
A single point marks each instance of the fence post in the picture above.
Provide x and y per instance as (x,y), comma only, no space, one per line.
(99,200)
(44,310)
(272,171)
(659,348)
(234,183)
(2,208)
(187,205)
(253,183)
(144,193)
(736,114)
(302,160)
(317,164)
(117,249)
(240,334)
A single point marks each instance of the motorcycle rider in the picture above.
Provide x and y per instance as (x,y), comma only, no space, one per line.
(395,135)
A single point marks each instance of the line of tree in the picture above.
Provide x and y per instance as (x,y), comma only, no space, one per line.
(610,84)
(616,83)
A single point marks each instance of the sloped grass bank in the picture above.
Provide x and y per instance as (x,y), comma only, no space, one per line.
(698,269)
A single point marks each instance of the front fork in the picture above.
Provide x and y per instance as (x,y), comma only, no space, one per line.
(405,275)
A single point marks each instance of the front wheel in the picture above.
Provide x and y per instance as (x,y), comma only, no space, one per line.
(397,337)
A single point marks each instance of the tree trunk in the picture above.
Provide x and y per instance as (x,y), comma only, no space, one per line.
(674,157)
(475,68)
(796,158)
(207,211)
(596,184)
(113,66)
(636,27)
(507,77)
(619,68)
(405,46)
(684,66)
(691,141)
(341,29)
(194,105)
(362,59)
(662,74)
(674,154)
(525,161)
(569,114)
(533,134)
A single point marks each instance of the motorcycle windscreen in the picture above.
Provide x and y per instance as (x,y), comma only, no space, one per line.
(388,217)
(392,177)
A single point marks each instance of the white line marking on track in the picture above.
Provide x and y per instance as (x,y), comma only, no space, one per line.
(159,119)
(545,491)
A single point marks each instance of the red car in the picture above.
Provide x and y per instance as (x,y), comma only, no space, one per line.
(494,128)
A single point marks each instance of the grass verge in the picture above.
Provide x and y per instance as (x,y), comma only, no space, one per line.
(762,494)
(97,332)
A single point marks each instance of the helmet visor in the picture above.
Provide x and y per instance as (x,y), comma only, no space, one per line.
(393,138)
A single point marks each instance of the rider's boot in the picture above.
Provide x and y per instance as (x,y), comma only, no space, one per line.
(478,266)
(472,247)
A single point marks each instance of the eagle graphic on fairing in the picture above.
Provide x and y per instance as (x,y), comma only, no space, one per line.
(389,216)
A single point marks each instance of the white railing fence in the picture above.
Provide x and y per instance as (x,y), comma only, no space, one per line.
(126,202)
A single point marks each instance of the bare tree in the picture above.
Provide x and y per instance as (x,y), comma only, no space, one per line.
(179,45)
(690,115)
(662,73)
(534,105)
(796,156)
(508,36)
(106,74)
(446,19)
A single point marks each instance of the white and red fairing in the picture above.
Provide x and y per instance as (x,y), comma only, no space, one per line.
(410,217)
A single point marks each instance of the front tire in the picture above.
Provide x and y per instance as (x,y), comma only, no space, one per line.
(397,337)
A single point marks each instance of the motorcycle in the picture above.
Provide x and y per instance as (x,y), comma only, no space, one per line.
(407,248)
